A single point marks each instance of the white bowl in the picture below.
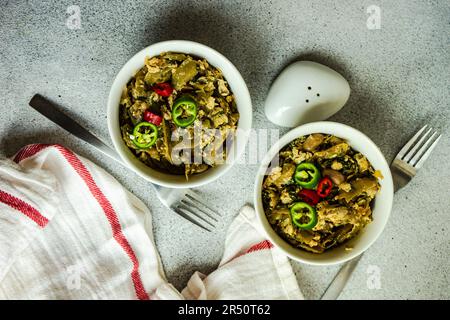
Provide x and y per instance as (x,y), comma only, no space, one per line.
(237,86)
(382,206)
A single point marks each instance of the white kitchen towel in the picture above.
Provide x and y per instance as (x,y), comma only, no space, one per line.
(68,230)
(251,268)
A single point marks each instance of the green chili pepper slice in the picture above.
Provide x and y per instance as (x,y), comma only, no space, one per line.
(303,215)
(145,135)
(184,111)
(307,175)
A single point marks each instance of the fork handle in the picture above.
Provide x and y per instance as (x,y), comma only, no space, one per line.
(336,286)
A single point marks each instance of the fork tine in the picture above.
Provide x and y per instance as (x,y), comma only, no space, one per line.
(423,148)
(189,210)
(195,197)
(193,204)
(188,218)
(427,152)
(410,143)
(417,145)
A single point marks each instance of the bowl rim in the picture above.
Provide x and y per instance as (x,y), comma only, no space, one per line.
(244,124)
(334,128)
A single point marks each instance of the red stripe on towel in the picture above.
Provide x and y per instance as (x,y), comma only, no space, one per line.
(104,203)
(29,150)
(23,207)
(265,244)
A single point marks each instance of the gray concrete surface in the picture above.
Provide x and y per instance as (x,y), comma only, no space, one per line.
(399,77)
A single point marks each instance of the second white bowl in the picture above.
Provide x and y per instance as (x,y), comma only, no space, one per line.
(382,206)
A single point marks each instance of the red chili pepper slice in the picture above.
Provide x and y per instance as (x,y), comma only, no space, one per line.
(152,118)
(309,196)
(324,187)
(164,89)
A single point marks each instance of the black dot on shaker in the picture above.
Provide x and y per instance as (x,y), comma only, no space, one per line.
(318,94)
(309,88)
(307,100)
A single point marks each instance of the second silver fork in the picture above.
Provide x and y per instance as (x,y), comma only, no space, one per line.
(412,156)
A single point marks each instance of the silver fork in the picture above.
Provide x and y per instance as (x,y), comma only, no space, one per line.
(412,156)
(404,167)
(188,204)
(184,202)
